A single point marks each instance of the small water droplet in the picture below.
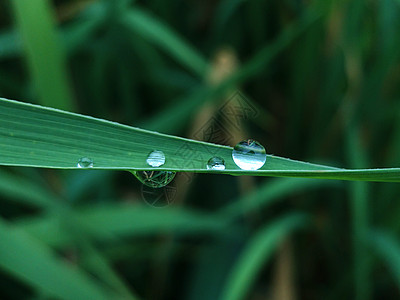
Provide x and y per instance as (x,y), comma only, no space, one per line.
(216,163)
(156,158)
(249,155)
(155,179)
(85,162)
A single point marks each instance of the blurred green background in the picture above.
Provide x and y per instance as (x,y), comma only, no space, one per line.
(311,80)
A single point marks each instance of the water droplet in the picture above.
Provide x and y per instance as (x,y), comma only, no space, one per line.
(155,179)
(156,158)
(216,163)
(85,162)
(159,197)
(249,155)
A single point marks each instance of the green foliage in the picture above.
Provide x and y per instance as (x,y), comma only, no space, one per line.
(258,252)
(43,52)
(318,83)
(58,139)
(35,264)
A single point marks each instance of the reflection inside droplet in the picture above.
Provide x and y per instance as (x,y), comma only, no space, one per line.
(155,179)
(216,163)
(156,158)
(249,155)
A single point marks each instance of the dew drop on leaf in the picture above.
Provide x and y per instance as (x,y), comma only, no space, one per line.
(85,162)
(249,155)
(216,163)
(156,158)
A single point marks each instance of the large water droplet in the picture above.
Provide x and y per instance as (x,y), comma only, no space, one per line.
(155,179)
(85,162)
(216,163)
(159,197)
(249,155)
(156,158)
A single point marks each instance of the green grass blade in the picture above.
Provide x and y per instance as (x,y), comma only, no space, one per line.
(72,37)
(43,52)
(165,38)
(262,58)
(387,247)
(110,222)
(258,252)
(359,209)
(93,261)
(78,33)
(101,266)
(35,136)
(270,192)
(177,115)
(34,264)
(31,194)
(173,117)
